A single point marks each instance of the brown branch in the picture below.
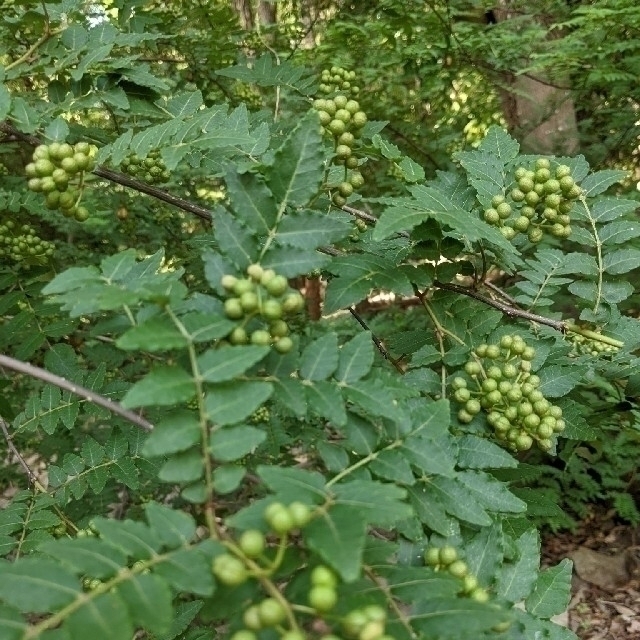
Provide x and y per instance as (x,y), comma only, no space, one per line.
(511,312)
(381,348)
(122,179)
(154,192)
(83,392)
(33,480)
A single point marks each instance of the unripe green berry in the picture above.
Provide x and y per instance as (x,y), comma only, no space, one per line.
(243,285)
(260,337)
(447,555)
(469,584)
(508,232)
(479,595)
(337,127)
(249,301)
(494,372)
(472,368)
(432,557)
(292,303)
(271,310)
(255,271)
(238,336)
(322,598)
(233,309)
(252,543)
(343,151)
(491,216)
(359,119)
(283,345)
(504,210)
(459,383)
(472,407)
(228,282)
(524,442)
(300,514)
(493,351)
(459,569)
(323,576)
(271,612)
(278,518)
(489,385)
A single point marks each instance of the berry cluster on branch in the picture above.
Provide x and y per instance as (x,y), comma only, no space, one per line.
(446,559)
(22,243)
(539,203)
(58,171)
(260,302)
(151,169)
(338,79)
(504,388)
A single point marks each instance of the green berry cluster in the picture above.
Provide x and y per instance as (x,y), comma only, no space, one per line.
(58,171)
(342,119)
(21,242)
(587,346)
(249,95)
(260,415)
(359,227)
(338,79)
(4,170)
(507,391)
(151,169)
(539,203)
(446,559)
(282,519)
(261,296)
(367,623)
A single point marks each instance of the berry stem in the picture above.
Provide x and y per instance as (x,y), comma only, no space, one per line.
(593,335)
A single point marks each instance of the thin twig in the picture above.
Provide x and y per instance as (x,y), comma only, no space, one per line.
(122,179)
(83,392)
(33,479)
(508,310)
(381,348)
(503,294)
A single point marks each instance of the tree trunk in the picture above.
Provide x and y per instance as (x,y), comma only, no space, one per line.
(263,14)
(539,112)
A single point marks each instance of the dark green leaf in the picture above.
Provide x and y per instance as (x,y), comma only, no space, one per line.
(234,443)
(298,169)
(174,528)
(163,386)
(104,616)
(355,358)
(227,362)
(229,403)
(251,200)
(37,585)
(149,602)
(516,579)
(309,229)
(177,432)
(338,536)
(86,555)
(552,591)
(157,334)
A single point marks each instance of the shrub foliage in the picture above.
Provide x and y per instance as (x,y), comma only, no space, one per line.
(197,456)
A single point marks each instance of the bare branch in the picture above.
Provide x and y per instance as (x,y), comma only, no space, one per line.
(511,312)
(83,392)
(33,480)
